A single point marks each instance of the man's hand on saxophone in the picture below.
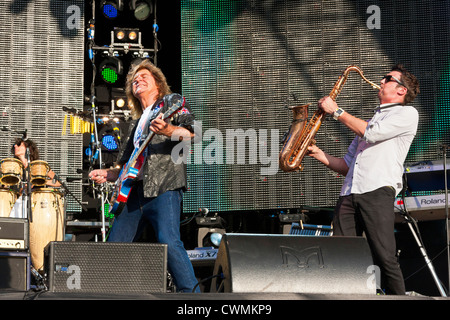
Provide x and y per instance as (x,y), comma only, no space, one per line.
(329,106)
(336,164)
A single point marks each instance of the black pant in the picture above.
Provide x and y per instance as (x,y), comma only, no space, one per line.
(373,214)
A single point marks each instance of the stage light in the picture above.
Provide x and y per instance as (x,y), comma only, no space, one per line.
(111,69)
(126,35)
(110,137)
(142,8)
(110,143)
(209,237)
(132,35)
(118,99)
(210,230)
(137,60)
(120,35)
(120,102)
(216,238)
(111,8)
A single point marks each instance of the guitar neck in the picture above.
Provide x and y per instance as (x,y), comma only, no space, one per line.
(141,149)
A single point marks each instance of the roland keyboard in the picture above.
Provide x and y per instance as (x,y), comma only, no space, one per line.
(422,208)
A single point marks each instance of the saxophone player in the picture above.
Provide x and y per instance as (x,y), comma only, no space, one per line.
(373,169)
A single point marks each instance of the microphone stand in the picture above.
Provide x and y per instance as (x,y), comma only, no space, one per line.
(57,178)
(96,152)
(410,221)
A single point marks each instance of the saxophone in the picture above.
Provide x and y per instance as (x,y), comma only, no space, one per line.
(301,134)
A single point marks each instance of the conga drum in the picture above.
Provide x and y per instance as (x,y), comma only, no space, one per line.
(11,170)
(47,223)
(39,171)
(7,200)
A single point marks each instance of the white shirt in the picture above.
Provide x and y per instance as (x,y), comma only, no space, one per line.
(141,125)
(147,114)
(376,160)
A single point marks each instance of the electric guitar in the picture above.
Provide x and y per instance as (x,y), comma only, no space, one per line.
(131,169)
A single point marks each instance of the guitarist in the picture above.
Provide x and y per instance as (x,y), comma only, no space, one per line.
(157,192)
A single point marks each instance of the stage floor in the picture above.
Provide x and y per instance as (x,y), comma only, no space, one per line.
(250,296)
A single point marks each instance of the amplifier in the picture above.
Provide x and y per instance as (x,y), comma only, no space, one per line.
(106,267)
(15,270)
(13,234)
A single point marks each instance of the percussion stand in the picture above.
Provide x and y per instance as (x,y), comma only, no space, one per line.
(26,190)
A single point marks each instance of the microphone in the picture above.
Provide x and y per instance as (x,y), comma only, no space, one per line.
(205,211)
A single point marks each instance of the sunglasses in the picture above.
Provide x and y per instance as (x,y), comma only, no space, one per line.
(392,78)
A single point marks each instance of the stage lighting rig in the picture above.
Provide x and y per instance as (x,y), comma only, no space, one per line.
(124,41)
(126,35)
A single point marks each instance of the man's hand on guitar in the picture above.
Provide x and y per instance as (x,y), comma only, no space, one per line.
(98,176)
(102,175)
(160,126)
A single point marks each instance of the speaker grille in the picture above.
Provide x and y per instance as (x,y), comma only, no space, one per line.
(106,267)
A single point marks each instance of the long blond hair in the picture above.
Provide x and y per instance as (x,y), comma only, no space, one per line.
(161,83)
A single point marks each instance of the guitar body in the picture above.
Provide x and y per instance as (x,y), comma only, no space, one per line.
(131,169)
(122,190)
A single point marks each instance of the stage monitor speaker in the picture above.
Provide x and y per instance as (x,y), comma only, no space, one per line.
(106,267)
(15,270)
(289,263)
